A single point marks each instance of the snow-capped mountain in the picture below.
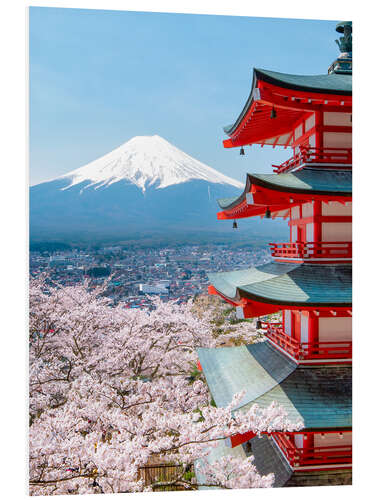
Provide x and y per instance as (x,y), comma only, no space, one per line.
(146,161)
(146,186)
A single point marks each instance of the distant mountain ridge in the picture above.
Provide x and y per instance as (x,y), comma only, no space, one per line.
(146,185)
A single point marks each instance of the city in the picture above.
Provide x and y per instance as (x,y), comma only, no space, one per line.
(173,272)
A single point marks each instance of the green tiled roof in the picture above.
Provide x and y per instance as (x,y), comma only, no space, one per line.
(320,397)
(308,180)
(227,202)
(229,369)
(288,284)
(269,459)
(327,84)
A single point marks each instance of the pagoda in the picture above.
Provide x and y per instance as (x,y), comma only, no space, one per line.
(305,362)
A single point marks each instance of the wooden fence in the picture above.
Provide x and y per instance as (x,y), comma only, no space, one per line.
(157,473)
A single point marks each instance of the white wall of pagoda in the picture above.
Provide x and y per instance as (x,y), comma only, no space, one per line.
(323,439)
(337,230)
(287,322)
(331,329)
(304,326)
(337,139)
(298,324)
(329,130)
(332,439)
(336,208)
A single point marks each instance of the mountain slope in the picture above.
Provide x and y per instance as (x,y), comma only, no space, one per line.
(146,162)
(145,186)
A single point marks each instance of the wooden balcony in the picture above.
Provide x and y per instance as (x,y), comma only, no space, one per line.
(321,455)
(307,350)
(339,157)
(313,250)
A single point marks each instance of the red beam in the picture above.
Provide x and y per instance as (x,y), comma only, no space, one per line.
(241,438)
(303,94)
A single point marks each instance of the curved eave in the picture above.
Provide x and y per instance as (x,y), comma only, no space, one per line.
(285,285)
(260,363)
(321,84)
(306,93)
(261,305)
(230,203)
(319,396)
(299,186)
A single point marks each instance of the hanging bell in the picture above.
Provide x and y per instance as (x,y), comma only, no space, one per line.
(242,151)
(235,226)
(273,113)
(259,324)
(268,213)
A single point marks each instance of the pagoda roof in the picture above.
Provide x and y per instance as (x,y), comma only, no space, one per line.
(269,459)
(292,96)
(307,181)
(288,284)
(324,84)
(320,397)
(261,363)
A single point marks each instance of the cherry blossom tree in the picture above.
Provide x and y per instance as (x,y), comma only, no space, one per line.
(115,389)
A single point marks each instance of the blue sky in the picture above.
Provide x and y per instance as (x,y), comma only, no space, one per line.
(99,78)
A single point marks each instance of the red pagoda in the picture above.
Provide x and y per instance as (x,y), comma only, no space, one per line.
(305,362)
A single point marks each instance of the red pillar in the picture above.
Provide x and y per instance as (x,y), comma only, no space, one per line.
(313,329)
(317,212)
(319,144)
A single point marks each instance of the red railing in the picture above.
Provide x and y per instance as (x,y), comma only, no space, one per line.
(307,350)
(337,156)
(312,455)
(313,250)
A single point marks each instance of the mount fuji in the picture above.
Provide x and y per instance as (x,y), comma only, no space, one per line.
(145,186)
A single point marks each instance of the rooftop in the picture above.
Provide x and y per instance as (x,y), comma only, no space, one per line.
(288,284)
(319,396)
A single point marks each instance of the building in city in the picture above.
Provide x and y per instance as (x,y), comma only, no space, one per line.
(305,362)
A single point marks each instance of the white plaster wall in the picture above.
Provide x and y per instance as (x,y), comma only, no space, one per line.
(298,440)
(287,322)
(333,439)
(310,232)
(331,329)
(295,212)
(312,141)
(294,233)
(342,119)
(304,328)
(337,231)
(336,208)
(310,122)
(307,210)
(337,140)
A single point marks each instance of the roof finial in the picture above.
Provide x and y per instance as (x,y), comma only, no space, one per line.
(345,42)
(343,63)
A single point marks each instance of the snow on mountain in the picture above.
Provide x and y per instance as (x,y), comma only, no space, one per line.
(145,161)
(144,188)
